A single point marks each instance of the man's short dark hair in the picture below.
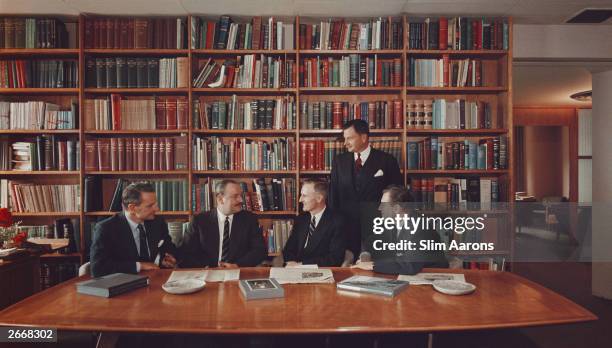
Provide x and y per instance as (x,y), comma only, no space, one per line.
(398,194)
(132,193)
(360,126)
(319,186)
(221,185)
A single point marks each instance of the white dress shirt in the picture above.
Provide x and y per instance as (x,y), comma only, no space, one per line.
(363,154)
(136,235)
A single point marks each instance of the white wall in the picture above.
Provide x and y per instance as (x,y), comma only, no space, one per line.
(568,41)
(602,181)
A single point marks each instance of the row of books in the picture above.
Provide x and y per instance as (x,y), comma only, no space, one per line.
(121,32)
(46,153)
(377,33)
(133,72)
(261,194)
(61,228)
(350,71)
(245,114)
(20,73)
(458,33)
(444,191)
(136,154)
(497,263)
(136,113)
(22,32)
(225,34)
(248,71)
(318,154)
(445,72)
(29,197)
(449,114)
(383,114)
(38,115)
(435,153)
(277,234)
(217,153)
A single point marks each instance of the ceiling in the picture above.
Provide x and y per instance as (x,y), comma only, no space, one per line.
(523,11)
(549,84)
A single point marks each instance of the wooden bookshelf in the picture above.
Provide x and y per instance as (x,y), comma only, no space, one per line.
(498,92)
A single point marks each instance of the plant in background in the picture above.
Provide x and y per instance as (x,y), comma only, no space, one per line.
(9,230)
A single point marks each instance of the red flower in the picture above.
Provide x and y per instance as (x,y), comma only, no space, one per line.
(6,218)
(20,238)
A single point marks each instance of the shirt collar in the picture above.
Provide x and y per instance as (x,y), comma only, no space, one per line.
(132,223)
(318,215)
(363,154)
(222,216)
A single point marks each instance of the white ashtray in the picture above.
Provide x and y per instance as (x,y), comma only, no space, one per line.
(453,287)
(185,286)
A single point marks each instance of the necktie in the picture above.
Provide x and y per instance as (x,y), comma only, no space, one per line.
(225,246)
(144,249)
(358,164)
(311,229)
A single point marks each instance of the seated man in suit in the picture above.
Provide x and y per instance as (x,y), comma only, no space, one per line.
(393,202)
(130,241)
(226,236)
(319,236)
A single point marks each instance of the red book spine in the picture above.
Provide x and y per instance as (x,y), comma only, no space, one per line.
(397,114)
(171,120)
(140,148)
(148,155)
(445,69)
(121,154)
(116,111)
(114,154)
(182,112)
(169,154)
(303,164)
(160,113)
(129,154)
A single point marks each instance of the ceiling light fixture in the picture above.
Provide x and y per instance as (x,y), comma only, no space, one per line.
(585,96)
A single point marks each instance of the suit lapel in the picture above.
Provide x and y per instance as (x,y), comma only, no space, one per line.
(369,168)
(213,222)
(349,168)
(319,231)
(131,243)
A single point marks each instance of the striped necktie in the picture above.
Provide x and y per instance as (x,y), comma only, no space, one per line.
(311,229)
(225,246)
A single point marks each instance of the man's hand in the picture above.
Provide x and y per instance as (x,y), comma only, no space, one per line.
(227,265)
(148,266)
(169,261)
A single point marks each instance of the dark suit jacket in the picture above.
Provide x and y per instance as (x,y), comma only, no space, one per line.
(200,246)
(406,262)
(349,191)
(113,249)
(327,245)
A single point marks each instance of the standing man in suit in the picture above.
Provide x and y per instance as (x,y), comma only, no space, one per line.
(318,236)
(226,236)
(130,241)
(359,176)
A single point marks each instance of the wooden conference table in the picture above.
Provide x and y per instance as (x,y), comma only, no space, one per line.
(502,300)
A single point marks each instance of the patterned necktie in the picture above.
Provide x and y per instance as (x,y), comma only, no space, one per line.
(144,249)
(311,229)
(225,246)
(358,164)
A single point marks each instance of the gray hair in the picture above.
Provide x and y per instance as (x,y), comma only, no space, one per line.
(319,186)
(221,185)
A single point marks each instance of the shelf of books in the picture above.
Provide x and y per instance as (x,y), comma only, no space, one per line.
(92,103)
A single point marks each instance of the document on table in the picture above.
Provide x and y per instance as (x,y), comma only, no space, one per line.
(206,275)
(301,275)
(299,265)
(428,278)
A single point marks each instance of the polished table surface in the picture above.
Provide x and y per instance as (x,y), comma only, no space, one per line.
(501,300)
